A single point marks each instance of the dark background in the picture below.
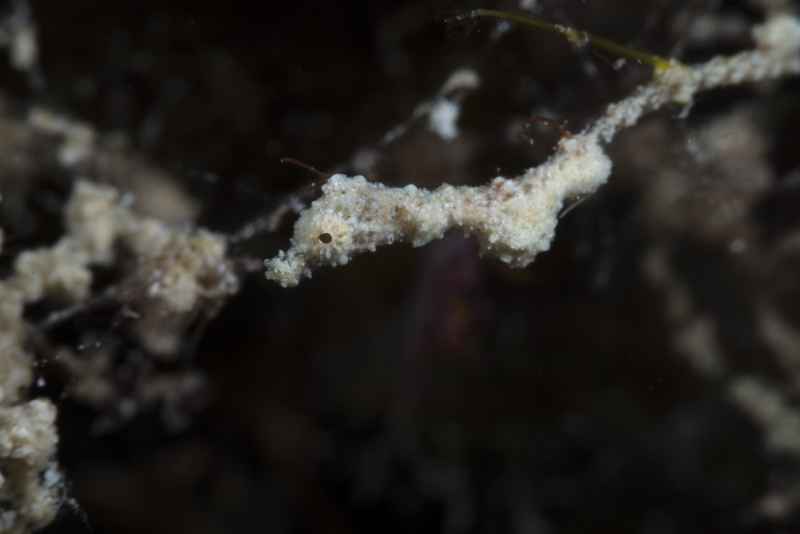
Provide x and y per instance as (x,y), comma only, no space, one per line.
(429,390)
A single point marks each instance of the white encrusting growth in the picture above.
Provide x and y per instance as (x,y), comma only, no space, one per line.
(513,219)
(178,268)
(29,478)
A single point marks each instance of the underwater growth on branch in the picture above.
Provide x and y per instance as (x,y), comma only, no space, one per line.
(514,219)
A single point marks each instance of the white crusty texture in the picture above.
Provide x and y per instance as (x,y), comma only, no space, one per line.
(190,266)
(26,431)
(181,263)
(29,478)
(178,267)
(513,219)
